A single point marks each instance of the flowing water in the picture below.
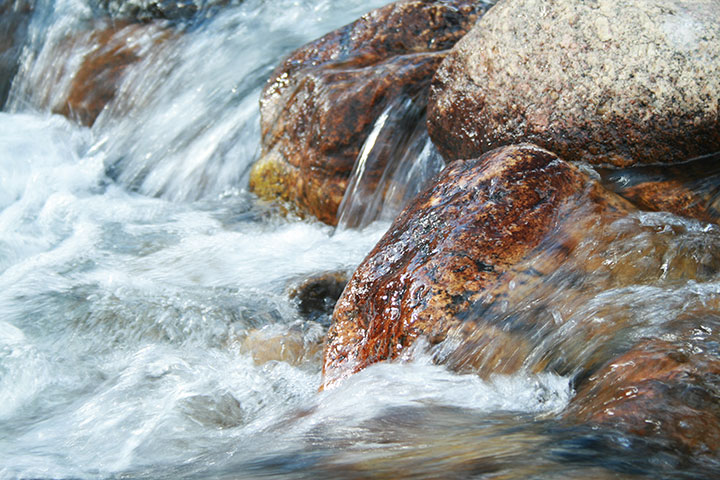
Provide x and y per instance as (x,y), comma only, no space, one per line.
(147,324)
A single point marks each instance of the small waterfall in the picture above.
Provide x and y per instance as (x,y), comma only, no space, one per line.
(146,325)
(183,120)
(394,164)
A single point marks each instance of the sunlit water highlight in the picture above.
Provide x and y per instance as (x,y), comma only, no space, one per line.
(141,287)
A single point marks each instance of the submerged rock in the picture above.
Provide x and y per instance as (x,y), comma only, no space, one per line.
(110,52)
(79,73)
(321,103)
(665,389)
(297,344)
(608,82)
(455,252)
(316,296)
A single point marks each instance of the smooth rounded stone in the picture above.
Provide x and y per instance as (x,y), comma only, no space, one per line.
(609,82)
(457,251)
(665,389)
(111,51)
(321,103)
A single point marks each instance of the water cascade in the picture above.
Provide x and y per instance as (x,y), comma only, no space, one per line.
(147,329)
(397,150)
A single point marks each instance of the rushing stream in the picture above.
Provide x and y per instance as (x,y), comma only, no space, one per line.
(147,328)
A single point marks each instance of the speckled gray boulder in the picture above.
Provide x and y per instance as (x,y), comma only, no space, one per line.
(611,82)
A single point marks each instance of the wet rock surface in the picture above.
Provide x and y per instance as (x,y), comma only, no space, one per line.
(316,296)
(689,190)
(666,389)
(451,256)
(608,82)
(321,103)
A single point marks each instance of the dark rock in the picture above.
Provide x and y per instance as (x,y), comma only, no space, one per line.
(321,103)
(149,10)
(316,296)
(15,17)
(668,390)
(454,253)
(608,82)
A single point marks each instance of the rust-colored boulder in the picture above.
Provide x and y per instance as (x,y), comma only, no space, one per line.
(322,102)
(609,82)
(457,250)
(690,190)
(667,390)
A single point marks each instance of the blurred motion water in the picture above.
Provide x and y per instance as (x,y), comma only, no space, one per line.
(142,286)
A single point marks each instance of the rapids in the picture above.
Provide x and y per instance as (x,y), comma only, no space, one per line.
(142,286)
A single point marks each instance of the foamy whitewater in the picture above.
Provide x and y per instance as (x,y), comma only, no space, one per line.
(138,279)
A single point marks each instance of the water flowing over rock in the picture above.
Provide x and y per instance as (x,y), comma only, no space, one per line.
(667,389)
(394,165)
(452,253)
(78,74)
(320,105)
(146,10)
(607,82)
(96,82)
(690,190)
(14,19)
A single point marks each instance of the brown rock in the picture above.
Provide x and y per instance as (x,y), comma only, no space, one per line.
(453,253)
(112,50)
(668,390)
(276,343)
(610,82)
(690,190)
(321,103)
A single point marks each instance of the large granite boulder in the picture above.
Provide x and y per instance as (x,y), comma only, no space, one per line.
(472,242)
(322,102)
(610,82)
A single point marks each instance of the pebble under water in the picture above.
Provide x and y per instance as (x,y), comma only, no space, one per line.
(147,323)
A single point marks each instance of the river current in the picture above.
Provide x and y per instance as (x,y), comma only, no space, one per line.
(146,324)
